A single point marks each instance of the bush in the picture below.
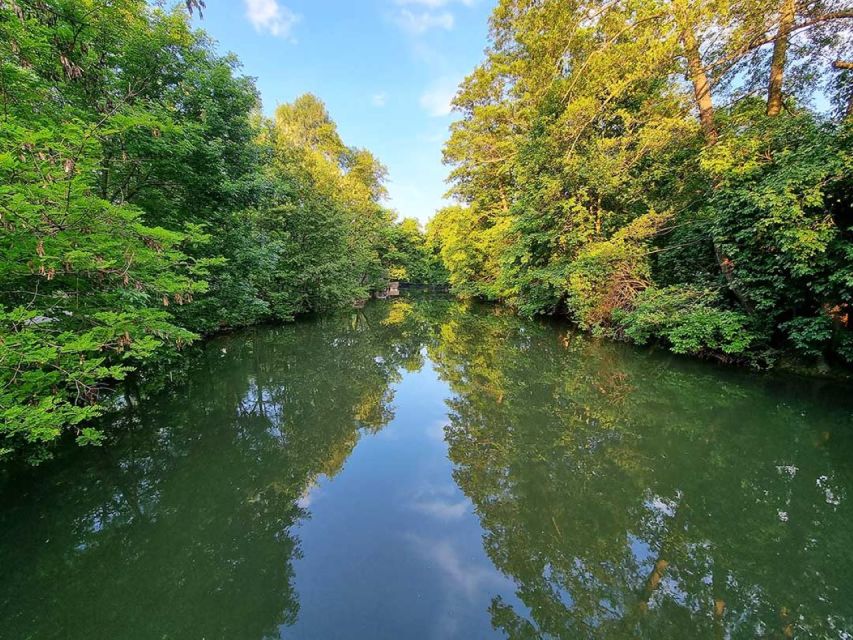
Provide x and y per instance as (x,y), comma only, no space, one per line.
(688,320)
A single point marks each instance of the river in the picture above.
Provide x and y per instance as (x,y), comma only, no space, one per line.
(423,468)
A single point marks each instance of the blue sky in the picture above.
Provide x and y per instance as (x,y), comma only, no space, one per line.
(386,69)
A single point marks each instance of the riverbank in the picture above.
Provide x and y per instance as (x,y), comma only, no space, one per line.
(767,361)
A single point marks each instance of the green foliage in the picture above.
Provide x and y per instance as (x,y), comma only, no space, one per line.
(411,257)
(469,248)
(144,202)
(607,275)
(690,321)
(781,215)
(85,279)
(809,335)
(576,130)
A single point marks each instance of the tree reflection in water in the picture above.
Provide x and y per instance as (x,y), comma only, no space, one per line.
(630,495)
(182,526)
(624,493)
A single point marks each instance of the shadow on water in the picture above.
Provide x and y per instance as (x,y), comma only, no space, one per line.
(623,493)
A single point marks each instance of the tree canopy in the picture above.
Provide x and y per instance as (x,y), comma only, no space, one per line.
(145,201)
(674,170)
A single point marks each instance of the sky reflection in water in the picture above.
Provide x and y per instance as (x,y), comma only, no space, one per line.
(427,469)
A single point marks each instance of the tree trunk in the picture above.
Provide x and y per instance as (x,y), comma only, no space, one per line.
(780,53)
(702,94)
(652,583)
(699,79)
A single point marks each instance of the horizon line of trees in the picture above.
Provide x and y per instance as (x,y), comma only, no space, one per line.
(146,201)
(659,170)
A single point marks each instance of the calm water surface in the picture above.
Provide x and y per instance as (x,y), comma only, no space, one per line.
(423,469)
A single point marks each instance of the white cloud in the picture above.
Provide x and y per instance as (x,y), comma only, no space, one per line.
(437,100)
(417,23)
(269,15)
(464,574)
(443,509)
(379,99)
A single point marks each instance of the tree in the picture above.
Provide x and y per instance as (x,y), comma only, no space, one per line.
(86,282)
(145,202)
(576,131)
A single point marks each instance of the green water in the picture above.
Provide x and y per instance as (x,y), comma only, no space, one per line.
(422,469)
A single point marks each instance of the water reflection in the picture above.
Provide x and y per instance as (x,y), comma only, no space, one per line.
(297,484)
(630,495)
(182,527)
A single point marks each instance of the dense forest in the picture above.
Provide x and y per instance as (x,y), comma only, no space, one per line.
(146,201)
(677,171)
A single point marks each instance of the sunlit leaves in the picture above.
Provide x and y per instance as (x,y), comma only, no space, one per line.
(577,125)
(141,203)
